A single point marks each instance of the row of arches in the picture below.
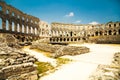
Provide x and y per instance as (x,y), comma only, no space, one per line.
(11,11)
(67,39)
(106,32)
(17,27)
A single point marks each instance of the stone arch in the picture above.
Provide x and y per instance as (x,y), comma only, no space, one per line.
(109,25)
(71,33)
(50,39)
(75,39)
(0,23)
(71,39)
(110,32)
(114,25)
(101,33)
(114,32)
(13,14)
(13,25)
(67,39)
(60,39)
(7,11)
(7,25)
(96,33)
(57,39)
(64,39)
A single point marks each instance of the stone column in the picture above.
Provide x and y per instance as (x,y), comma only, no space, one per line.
(25,29)
(29,30)
(4,24)
(33,29)
(15,26)
(20,27)
(10,26)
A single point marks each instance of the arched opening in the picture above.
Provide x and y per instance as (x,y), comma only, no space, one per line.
(71,33)
(105,33)
(54,39)
(67,39)
(88,35)
(64,39)
(7,11)
(13,25)
(114,32)
(114,25)
(96,33)
(7,25)
(84,38)
(57,39)
(78,38)
(71,39)
(67,35)
(60,39)
(50,39)
(0,8)
(100,33)
(109,25)
(92,35)
(110,32)
(0,23)
(75,39)
(18,28)
(119,31)
(13,14)
(22,28)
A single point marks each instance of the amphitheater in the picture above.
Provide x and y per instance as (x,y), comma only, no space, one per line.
(28,28)
(17,27)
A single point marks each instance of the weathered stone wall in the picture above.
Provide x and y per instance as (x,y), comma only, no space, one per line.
(59,50)
(14,63)
(72,33)
(15,21)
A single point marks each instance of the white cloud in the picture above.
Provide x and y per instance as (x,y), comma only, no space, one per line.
(78,21)
(71,14)
(94,23)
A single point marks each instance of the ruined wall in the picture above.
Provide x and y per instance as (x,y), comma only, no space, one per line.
(15,21)
(14,63)
(99,33)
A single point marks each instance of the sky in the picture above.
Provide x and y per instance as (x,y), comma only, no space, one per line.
(70,11)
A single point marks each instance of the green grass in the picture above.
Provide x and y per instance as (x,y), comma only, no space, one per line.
(61,61)
(43,67)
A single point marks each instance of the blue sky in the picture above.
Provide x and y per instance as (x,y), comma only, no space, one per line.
(70,11)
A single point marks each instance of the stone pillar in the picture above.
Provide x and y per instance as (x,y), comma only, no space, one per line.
(4,24)
(15,27)
(33,29)
(29,30)
(25,29)
(20,27)
(10,26)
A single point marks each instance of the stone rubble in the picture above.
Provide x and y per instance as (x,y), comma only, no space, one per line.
(108,72)
(14,63)
(59,50)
